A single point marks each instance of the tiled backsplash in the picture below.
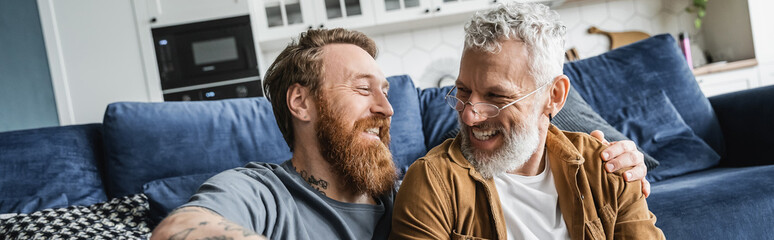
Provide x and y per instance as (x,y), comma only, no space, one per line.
(429,54)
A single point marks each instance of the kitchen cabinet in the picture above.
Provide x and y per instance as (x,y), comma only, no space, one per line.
(763,37)
(728,81)
(279,20)
(162,13)
(94,56)
(766,74)
(283,19)
(391,11)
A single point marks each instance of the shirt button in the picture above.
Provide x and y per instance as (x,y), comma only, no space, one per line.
(581,196)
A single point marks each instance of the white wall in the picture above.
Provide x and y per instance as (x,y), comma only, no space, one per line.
(94,56)
(428,54)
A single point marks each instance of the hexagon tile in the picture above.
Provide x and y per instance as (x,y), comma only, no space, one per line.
(427,39)
(621,10)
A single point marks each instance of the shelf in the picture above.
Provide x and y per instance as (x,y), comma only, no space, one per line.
(724,66)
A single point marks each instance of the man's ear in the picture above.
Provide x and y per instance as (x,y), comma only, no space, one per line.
(558,94)
(299,104)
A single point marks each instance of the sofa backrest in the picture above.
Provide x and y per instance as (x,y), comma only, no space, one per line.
(407,140)
(50,167)
(439,121)
(149,141)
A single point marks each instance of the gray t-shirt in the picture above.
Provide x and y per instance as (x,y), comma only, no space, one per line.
(274,201)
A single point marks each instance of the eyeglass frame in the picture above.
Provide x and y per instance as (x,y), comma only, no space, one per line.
(499,109)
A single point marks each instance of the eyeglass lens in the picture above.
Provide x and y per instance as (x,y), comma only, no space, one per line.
(483,109)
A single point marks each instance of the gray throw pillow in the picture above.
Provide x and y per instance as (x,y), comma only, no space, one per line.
(578,116)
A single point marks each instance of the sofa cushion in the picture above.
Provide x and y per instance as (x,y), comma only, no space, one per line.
(628,74)
(439,121)
(578,116)
(45,163)
(655,125)
(407,142)
(31,204)
(721,203)
(149,141)
(164,195)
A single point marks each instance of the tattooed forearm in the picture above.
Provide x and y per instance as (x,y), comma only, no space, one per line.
(317,183)
(202,223)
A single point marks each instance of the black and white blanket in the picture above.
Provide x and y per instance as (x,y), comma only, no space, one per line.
(119,218)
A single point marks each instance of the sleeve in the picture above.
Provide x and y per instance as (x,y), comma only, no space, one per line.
(422,205)
(237,197)
(634,220)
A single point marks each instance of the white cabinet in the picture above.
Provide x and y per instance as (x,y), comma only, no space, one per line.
(162,13)
(344,13)
(728,81)
(276,19)
(766,74)
(763,37)
(390,11)
(762,31)
(449,7)
(283,19)
(93,53)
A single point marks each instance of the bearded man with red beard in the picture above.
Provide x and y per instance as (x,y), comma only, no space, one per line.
(330,100)
(510,173)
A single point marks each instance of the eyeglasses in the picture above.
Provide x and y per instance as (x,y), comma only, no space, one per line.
(482,109)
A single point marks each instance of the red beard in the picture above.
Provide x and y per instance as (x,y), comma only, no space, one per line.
(364,165)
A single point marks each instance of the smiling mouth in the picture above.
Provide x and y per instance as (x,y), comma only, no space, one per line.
(373,130)
(483,135)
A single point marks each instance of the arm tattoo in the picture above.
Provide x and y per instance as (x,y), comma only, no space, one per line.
(317,183)
(182,234)
(228,225)
(231,226)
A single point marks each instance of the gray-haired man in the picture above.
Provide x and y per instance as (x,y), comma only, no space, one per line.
(510,173)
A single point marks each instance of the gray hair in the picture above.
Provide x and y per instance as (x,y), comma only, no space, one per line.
(534,24)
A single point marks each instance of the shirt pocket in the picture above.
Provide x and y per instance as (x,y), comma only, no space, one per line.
(457,236)
(607,215)
(594,229)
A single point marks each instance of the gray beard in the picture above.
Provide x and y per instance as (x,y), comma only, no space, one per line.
(519,145)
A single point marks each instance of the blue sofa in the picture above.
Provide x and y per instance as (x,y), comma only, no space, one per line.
(158,153)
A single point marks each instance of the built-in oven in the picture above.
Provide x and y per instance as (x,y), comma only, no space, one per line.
(211,57)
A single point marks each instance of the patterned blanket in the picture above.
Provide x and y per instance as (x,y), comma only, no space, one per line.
(119,218)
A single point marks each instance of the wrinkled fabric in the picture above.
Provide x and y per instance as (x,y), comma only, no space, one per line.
(655,125)
(444,197)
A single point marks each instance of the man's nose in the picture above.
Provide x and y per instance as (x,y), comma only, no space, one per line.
(382,106)
(469,116)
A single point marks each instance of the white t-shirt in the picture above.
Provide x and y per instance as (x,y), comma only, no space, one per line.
(530,205)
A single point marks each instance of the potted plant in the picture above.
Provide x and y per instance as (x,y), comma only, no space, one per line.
(700,8)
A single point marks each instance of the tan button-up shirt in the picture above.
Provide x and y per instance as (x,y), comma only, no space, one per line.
(443,197)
